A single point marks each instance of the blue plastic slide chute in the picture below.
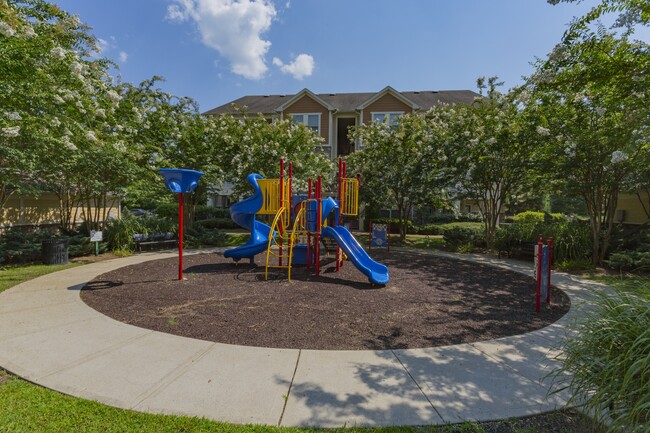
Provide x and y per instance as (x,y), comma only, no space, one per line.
(376,272)
(243,213)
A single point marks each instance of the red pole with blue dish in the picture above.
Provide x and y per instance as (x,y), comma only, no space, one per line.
(180,181)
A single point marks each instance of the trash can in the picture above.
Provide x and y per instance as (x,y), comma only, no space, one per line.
(54,251)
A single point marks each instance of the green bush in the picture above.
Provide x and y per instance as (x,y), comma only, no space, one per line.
(606,364)
(529,218)
(20,246)
(119,232)
(637,261)
(24,246)
(200,236)
(457,236)
(201,212)
(571,239)
(217,223)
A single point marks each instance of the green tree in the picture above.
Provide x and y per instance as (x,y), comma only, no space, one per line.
(255,145)
(591,97)
(45,87)
(490,149)
(402,165)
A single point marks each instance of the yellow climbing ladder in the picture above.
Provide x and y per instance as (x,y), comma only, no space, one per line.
(282,241)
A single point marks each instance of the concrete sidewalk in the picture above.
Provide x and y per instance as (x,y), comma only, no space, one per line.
(49,336)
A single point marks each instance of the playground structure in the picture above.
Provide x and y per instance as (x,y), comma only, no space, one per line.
(300,223)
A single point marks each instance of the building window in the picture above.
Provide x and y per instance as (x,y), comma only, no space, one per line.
(312,121)
(389,117)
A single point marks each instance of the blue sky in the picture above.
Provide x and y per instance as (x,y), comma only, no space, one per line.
(216,51)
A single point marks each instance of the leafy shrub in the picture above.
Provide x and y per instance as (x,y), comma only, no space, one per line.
(20,246)
(457,236)
(632,251)
(606,364)
(217,223)
(469,217)
(119,232)
(201,212)
(529,218)
(200,236)
(571,239)
(24,246)
(428,229)
(209,212)
(630,260)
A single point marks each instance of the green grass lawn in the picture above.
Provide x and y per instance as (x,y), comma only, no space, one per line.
(629,283)
(12,275)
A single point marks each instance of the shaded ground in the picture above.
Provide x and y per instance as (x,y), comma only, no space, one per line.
(430,301)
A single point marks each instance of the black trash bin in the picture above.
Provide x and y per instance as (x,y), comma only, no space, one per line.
(54,251)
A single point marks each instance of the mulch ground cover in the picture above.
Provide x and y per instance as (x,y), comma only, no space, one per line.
(429,301)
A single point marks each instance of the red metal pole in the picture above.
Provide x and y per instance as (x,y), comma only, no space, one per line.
(180,236)
(281,228)
(290,191)
(307,218)
(550,262)
(319,211)
(538,293)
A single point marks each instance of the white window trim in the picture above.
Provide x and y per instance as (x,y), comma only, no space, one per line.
(385,113)
(304,118)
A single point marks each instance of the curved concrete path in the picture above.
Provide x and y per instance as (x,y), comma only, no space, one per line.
(49,336)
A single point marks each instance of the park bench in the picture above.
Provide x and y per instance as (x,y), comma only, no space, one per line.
(154,239)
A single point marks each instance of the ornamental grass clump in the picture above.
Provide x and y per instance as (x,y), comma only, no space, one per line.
(606,366)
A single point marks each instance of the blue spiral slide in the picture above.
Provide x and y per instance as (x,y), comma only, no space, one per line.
(243,213)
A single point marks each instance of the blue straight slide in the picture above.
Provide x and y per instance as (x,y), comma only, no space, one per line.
(376,272)
(243,213)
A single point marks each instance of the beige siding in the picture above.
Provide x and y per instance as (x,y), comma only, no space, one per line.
(307,105)
(387,103)
(634,213)
(43,209)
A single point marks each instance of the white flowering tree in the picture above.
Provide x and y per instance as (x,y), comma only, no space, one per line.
(402,165)
(256,145)
(55,99)
(592,94)
(490,150)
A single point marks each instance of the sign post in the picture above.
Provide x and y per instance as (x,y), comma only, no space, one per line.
(96,236)
(180,181)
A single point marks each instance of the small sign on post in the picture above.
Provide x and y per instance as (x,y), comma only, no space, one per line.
(542,271)
(380,236)
(96,236)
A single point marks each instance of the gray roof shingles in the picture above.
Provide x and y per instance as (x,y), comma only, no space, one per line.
(344,102)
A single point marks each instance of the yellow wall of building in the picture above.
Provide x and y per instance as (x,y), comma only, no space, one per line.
(43,209)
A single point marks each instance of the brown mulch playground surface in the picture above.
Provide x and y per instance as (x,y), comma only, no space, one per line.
(429,301)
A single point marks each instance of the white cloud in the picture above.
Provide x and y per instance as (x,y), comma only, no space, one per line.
(233,28)
(301,67)
(123,56)
(102,45)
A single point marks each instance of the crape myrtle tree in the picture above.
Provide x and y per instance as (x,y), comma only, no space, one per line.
(591,97)
(247,145)
(46,87)
(490,149)
(402,165)
(630,13)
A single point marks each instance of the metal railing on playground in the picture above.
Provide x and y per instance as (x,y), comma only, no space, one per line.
(271,193)
(349,196)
